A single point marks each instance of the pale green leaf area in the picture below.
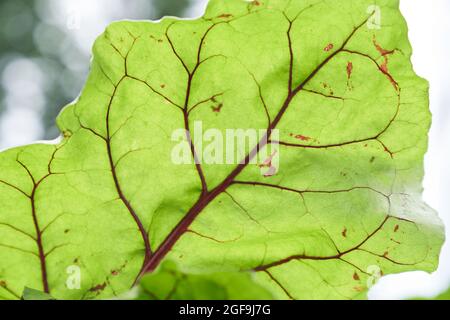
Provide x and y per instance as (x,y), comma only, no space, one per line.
(169,283)
(35,295)
(352,117)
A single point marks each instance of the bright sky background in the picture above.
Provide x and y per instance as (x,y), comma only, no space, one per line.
(429,29)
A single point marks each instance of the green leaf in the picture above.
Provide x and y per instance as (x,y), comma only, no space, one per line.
(31,294)
(343,205)
(169,283)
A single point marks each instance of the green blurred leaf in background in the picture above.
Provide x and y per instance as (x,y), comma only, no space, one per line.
(169,283)
(29,33)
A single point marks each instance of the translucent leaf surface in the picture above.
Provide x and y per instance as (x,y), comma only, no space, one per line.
(85,217)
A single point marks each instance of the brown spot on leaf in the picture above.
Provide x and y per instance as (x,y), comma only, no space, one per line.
(384,66)
(380,49)
(268,164)
(385,254)
(117,271)
(225,16)
(388,151)
(358,288)
(355,276)
(349,75)
(349,69)
(98,288)
(217,108)
(163,86)
(300,137)
(372,159)
(66,231)
(3,283)
(344,233)
(329,47)
(327,86)
(396,228)
(156,39)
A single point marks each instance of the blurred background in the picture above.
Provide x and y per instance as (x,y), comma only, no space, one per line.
(45,50)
